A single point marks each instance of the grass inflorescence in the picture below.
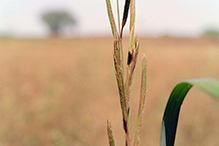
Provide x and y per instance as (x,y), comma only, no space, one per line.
(124,81)
(124,77)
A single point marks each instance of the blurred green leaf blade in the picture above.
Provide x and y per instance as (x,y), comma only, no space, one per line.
(171,114)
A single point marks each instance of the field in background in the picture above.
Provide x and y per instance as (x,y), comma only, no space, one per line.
(60,92)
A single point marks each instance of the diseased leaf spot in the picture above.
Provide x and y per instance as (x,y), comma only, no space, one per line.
(130,58)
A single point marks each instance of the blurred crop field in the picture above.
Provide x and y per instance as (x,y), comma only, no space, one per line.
(60,92)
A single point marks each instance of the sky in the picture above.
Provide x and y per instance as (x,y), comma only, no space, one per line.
(153,17)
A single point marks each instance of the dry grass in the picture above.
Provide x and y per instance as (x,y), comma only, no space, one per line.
(61,92)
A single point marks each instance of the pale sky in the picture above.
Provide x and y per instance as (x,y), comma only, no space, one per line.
(153,17)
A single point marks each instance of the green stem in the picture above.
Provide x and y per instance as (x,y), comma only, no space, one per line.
(118,16)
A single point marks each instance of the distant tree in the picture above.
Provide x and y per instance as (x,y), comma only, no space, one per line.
(57,21)
(211,33)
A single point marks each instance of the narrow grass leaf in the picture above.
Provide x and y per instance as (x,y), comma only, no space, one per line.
(171,114)
(110,134)
(142,101)
(111,18)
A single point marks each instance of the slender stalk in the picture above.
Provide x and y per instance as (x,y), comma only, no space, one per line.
(118,16)
(120,36)
(111,19)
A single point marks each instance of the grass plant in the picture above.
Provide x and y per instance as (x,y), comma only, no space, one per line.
(124,81)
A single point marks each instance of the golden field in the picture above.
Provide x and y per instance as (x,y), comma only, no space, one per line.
(60,92)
